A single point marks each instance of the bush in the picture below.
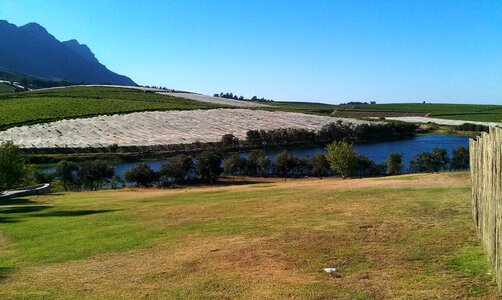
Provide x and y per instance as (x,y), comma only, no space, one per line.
(367,167)
(460,158)
(178,169)
(394,164)
(229,140)
(43,177)
(472,127)
(319,165)
(141,174)
(285,162)
(428,162)
(208,165)
(93,174)
(258,163)
(13,169)
(234,165)
(67,172)
(342,158)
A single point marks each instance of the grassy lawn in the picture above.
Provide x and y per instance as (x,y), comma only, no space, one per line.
(469,112)
(406,239)
(72,102)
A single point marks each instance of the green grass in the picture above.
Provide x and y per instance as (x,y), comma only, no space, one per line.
(469,112)
(406,239)
(72,102)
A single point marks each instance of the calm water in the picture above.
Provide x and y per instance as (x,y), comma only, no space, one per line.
(377,152)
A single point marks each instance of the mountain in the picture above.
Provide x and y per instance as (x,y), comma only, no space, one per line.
(33,51)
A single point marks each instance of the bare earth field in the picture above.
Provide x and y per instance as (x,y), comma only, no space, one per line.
(404,237)
(159,128)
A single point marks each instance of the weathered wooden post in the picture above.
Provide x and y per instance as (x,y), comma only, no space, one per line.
(486,179)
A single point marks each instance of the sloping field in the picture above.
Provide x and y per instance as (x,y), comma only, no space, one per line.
(407,237)
(159,128)
(214,100)
(73,102)
(176,94)
(467,112)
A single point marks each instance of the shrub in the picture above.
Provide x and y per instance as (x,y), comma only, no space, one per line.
(93,174)
(258,163)
(460,158)
(43,177)
(319,165)
(342,158)
(13,169)
(179,168)
(229,140)
(208,165)
(394,164)
(434,161)
(234,165)
(141,174)
(285,162)
(67,172)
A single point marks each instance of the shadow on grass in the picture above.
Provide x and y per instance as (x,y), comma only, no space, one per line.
(15,201)
(25,209)
(4,273)
(4,220)
(74,213)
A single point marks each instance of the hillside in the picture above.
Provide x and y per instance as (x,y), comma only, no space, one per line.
(33,51)
(73,102)
(405,237)
(467,112)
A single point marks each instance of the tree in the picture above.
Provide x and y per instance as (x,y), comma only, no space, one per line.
(113,148)
(421,163)
(284,163)
(116,180)
(93,174)
(434,161)
(141,174)
(440,159)
(208,165)
(395,164)
(258,162)
(234,165)
(367,167)
(460,158)
(319,165)
(342,158)
(66,171)
(229,140)
(13,169)
(43,177)
(179,168)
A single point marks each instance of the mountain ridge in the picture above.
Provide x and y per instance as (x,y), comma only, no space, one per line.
(30,49)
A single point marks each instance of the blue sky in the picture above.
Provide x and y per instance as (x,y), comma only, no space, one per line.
(321,51)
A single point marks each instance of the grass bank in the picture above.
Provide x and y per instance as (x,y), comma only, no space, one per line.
(406,239)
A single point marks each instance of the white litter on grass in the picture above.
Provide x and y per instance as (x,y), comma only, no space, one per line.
(330,270)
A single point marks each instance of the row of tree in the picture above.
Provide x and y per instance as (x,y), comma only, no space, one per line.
(330,132)
(341,159)
(235,97)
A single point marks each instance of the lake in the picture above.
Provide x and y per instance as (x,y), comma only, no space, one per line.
(377,152)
